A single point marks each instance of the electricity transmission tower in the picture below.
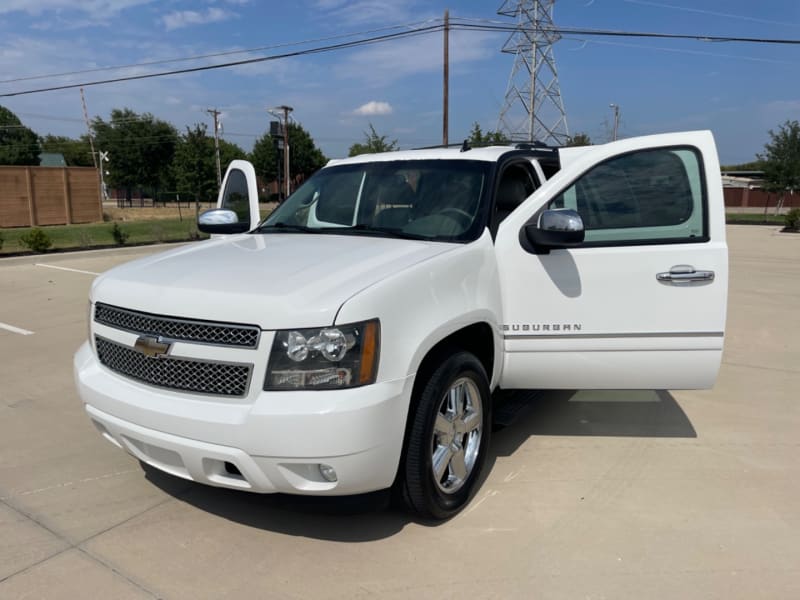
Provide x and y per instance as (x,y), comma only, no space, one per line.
(533,108)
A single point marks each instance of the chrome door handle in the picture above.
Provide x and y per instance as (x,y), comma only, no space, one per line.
(680,274)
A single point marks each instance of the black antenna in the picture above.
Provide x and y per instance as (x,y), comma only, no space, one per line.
(465,147)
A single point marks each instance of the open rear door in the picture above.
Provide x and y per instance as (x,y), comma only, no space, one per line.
(239,193)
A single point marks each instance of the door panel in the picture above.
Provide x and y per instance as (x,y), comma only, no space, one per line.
(597,316)
(239,192)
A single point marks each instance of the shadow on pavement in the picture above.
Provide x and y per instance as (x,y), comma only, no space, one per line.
(370,517)
(361,518)
(598,413)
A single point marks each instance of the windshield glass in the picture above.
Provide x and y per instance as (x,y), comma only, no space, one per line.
(420,199)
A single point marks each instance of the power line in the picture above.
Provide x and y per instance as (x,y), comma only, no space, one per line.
(249,61)
(678,51)
(212,55)
(456,23)
(708,12)
(467,24)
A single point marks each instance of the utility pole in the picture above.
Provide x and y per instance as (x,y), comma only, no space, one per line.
(446,92)
(615,108)
(215,113)
(89,131)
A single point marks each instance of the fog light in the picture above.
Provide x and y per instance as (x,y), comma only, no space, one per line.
(328,472)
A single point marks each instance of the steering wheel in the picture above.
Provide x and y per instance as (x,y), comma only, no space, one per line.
(463,217)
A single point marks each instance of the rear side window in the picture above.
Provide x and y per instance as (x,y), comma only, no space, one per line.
(648,196)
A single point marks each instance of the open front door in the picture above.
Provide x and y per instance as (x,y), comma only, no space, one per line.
(239,193)
(641,302)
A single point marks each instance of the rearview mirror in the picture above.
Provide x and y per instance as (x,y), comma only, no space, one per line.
(221,220)
(557,228)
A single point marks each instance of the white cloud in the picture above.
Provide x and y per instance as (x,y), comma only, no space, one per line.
(782,106)
(91,7)
(187,18)
(384,63)
(356,12)
(374,107)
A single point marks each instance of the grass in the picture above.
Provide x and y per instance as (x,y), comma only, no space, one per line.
(93,235)
(152,230)
(754,219)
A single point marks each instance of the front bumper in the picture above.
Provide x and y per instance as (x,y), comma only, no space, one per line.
(274,443)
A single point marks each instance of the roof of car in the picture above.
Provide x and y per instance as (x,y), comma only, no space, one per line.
(488,154)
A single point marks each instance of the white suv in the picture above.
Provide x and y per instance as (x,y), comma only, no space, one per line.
(351,341)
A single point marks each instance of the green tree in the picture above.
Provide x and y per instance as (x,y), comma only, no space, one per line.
(228,151)
(140,147)
(19,145)
(304,156)
(194,166)
(579,139)
(756,165)
(77,153)
(477,138)
(373,143)
(781,159)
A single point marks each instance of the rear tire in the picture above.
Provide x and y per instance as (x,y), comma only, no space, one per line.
(448,438)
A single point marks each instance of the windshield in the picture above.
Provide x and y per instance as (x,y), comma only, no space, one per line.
(420,199)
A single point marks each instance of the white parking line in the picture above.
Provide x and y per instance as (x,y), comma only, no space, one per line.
(13,329)
(65,269)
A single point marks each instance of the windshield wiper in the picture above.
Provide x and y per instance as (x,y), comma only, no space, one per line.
(360,228)
(281,226)
(383,231)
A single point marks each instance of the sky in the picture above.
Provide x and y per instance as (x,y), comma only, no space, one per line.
(739,91)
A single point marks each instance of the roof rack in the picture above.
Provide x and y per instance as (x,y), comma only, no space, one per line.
(534,145)
(438,146)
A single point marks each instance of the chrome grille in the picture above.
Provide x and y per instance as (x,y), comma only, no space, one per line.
(191,375)
(173,328)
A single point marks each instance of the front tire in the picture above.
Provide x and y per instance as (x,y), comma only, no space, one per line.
(448,438)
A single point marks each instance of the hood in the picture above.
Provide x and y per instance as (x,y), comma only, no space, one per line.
(275,280)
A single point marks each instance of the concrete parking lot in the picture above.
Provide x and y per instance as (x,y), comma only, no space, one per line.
(590,494)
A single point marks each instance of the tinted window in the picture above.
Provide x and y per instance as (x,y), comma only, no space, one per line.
(647,195)
(235,197)
(431,199)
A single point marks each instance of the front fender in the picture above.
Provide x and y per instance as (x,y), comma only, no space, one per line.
(426,302)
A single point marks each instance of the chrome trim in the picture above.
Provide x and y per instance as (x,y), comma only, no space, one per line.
(683,274)
(163,327)
(161,365)
(151,346)
(611,336)
(561,219)
(457,435)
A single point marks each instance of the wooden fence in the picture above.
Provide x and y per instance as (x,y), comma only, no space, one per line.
(744,198)
(49,196)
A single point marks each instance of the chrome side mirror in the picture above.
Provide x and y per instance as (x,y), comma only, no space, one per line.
(561,219)
(557,228)
(221,220)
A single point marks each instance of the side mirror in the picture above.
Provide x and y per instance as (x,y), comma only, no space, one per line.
(221,220)
(558,228)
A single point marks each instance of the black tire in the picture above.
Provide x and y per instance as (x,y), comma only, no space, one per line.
(433,405)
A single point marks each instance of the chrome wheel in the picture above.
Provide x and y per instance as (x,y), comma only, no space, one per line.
(457,432)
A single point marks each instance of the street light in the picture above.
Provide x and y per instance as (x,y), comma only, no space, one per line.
(615,108)
(285,110)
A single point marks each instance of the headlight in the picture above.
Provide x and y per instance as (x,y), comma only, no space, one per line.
(324,358)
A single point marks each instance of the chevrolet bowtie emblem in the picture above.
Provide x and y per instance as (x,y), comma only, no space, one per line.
(151,346)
